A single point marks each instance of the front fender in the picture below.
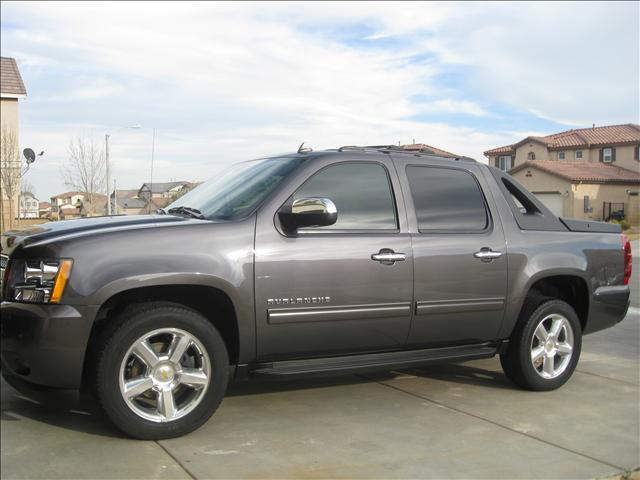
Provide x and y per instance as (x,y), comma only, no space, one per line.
(163,279)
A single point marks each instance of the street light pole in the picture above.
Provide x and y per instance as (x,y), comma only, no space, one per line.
(108,173)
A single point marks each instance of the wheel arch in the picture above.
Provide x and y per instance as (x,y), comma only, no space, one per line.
(570,287)
(213,303)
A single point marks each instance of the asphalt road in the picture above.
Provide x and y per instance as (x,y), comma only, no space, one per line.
(450,421)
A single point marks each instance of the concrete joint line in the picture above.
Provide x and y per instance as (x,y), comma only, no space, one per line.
(607,378)
(533,437)
(175,459)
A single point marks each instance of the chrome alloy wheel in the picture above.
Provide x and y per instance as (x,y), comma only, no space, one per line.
(552,346)
(164,375)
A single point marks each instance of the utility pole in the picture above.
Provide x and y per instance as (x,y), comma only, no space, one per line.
(115,198)
(153,148)
(108,173)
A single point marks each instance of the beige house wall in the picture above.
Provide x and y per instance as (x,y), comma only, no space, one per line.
(573,195)
(522,152)
(624,157)
(9,113)
(132,211)
(598,194)
(542,182)
(9,120)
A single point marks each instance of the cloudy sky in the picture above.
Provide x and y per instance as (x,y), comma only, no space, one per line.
(227,82)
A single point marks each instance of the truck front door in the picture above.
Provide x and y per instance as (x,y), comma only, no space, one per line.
(332,290)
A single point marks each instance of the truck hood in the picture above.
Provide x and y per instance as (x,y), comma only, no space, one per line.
(67,229)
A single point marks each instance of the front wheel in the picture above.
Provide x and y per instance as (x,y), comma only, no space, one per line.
(545,347)
(162,371)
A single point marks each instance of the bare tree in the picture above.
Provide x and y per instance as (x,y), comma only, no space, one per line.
(84,170)
(27,186)
(10,171)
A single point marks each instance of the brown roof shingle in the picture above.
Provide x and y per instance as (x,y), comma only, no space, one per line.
(628,133)
(583,171)
(10,78)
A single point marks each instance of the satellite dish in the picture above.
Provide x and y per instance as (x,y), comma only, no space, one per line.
(29,154)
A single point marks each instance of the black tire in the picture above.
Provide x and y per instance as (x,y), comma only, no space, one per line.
(517,363)
(118,338)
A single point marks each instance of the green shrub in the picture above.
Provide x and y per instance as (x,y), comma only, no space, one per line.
(624,223)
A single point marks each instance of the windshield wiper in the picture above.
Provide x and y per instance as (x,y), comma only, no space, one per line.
(189,211)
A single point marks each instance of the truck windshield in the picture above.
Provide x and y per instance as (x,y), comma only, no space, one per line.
(236,192)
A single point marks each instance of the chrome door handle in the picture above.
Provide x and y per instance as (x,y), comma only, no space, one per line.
(486,254)
(387,256)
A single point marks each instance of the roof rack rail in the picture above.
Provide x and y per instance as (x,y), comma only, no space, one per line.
(378,148)
(398,149)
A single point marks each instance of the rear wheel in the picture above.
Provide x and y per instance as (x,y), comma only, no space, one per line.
(162,371)
(545,346)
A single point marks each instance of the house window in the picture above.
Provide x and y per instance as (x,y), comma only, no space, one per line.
(505,163)
(560,155)
(636,152)
(607,155)
(578,153)
(587,204)
(531,156)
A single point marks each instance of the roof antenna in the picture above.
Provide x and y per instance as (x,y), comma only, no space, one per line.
(303,149)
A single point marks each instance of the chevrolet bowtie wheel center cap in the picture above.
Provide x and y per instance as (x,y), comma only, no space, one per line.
(164,373)
(550,345)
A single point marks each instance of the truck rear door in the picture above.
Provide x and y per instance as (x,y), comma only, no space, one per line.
(459,250)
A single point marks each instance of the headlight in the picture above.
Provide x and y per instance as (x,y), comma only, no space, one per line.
(36,281)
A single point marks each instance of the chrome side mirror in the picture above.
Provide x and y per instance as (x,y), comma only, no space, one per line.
(308,212)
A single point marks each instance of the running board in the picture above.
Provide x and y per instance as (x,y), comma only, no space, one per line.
(374,361)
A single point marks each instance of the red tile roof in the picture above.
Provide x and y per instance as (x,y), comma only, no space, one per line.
(425,148)
(10,80)
(583,137)
(588,172)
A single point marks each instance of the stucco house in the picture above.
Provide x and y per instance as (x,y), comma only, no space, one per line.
(161,194)
(590,173)
(163,189)
(12,89)
(126,202)
(44,210)
(75,204)
(29,206)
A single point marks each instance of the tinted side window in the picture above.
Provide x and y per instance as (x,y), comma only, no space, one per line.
(361,192)
(447,199)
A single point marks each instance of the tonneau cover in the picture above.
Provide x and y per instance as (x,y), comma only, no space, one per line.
(576,225)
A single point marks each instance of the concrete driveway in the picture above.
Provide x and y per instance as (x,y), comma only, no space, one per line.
(448,421)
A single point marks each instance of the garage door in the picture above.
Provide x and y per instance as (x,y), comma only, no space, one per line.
(553,201)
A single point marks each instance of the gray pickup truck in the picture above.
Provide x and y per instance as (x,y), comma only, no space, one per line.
(335,261)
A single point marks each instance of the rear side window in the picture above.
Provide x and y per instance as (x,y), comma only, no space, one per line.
(447,200)
(361,192)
